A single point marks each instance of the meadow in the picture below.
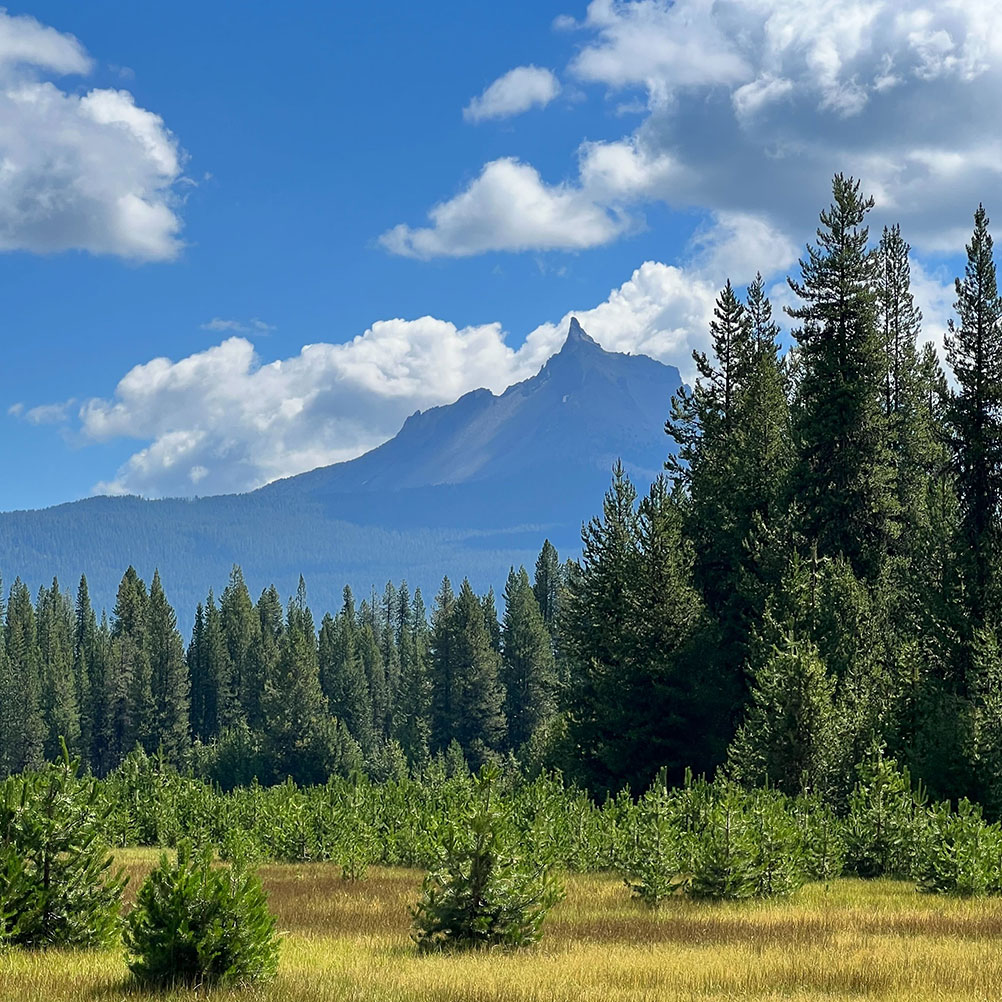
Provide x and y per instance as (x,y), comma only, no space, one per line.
(874,939)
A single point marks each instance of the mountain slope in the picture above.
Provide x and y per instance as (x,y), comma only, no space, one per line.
(465,489)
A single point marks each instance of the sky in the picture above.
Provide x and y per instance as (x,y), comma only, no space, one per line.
(238,242)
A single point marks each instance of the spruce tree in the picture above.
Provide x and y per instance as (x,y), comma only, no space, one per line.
(789,733)
(843,480)
(131,717)
(24,743)
(342,673)
(170,682)
(60,710)
(477,700)
(974,350)
(547,583)
(241,625)
(88,671)
(412,714)
(442,710)
(528,673)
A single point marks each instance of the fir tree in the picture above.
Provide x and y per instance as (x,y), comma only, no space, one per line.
(170,682)
(241,625)
(974,350)
(60,709)
(528,673)
(23,689)
(477,699)
(547,584)
(843,479)
(443,710)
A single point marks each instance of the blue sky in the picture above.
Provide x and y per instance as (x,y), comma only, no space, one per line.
(220,185)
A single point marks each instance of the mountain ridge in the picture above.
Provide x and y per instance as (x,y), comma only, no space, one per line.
(466,489)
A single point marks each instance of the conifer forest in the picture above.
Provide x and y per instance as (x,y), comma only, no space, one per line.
(760,712)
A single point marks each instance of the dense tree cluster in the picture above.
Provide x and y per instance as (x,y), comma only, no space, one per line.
(824,573)
(262,692)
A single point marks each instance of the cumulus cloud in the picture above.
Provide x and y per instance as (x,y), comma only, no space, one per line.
(509,207)
(92,172)
(517,91)
(224,419)
(751,106)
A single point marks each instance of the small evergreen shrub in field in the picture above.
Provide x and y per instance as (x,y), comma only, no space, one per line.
(656,860)
(485,892)
(196,924)
(56,888)
(886,824)
(963,856)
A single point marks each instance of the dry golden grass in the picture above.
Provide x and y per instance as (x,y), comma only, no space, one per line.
(855,939)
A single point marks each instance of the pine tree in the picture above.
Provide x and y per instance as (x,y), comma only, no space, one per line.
(412,714)
(843,480)
(342,673)
(528,673)
(60,710)
(443,710)
(88,671)
(170,682)
(974,350)
(491,620)
(547,584)
(477,701)
(789,733)
(26,739)
(241,624)
(374,672)
(131,718)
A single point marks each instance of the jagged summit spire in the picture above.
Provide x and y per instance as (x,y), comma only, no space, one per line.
(577,336)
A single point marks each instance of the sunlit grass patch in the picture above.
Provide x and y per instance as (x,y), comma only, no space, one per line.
(350,941)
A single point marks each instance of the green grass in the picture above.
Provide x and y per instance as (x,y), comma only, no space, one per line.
(854,939)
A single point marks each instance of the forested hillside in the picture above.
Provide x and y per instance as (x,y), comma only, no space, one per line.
(814,581)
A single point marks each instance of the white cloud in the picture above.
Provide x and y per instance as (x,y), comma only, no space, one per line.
(508,207)
(92,172)
(517,91)
(225,420)
(252,326)
(751,106)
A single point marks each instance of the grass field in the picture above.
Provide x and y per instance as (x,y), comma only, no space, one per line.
(855,939)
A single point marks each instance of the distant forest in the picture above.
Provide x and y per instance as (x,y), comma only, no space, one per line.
(818,573)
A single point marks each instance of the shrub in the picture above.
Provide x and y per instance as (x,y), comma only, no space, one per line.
(484,892)
(884,829)
(964,856)
(195,924)
(654,862)
(55,884)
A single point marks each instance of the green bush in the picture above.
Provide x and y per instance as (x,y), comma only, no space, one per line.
(656,860)
(56,888)
(196,924)
(485,892)
(963,856)
(886,823)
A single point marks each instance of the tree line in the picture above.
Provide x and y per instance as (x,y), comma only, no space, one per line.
(262,692)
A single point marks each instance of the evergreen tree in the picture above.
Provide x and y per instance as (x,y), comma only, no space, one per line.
(241,625)
(528,673)
(131,717)
(170,682)
(374,673)
(491,621)
(477,699)
(547,584)
(88,671)
(22,729)
(443,710)
(843,479)
(60,710)
(342,673)
(412,715)
(789,733)
(974,350)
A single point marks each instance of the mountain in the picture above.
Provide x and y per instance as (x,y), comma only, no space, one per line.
(466,489)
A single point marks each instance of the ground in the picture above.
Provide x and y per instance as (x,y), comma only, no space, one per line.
(853,939)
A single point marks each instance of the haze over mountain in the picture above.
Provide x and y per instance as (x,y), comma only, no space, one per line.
(469,488)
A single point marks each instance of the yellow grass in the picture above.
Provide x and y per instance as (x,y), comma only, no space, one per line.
(854,940)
